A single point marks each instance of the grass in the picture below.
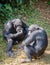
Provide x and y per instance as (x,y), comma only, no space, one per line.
(32,17)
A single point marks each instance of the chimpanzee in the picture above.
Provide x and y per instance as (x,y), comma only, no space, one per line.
(14,31)
(36,42)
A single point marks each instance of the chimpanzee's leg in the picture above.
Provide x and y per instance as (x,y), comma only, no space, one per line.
(40,47)
(9,47)
(30,52)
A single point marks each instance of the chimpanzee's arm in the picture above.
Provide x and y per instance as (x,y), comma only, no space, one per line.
(10,35)
(31,37)
(7,35)
(28,40)
(18,34)
(15,35)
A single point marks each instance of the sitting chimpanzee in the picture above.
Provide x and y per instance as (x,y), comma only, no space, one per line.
(14,31)
(36,42)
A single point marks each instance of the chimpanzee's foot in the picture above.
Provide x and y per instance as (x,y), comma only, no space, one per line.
(26,60)
(10,54)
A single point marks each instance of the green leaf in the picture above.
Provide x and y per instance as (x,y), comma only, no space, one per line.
(7,6)
(48,2)
(0,5)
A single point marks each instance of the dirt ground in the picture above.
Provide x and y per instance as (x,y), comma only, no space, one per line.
(44,60)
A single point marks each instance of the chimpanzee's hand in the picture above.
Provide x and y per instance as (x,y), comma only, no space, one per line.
(17,42)
(10,35)
(21,47)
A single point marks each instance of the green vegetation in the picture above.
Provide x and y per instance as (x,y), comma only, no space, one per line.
(48,2)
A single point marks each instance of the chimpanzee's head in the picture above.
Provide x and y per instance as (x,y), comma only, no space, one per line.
(32,28)
(18,25)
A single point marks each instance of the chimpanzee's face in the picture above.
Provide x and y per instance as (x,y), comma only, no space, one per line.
(19,29)
(30,30)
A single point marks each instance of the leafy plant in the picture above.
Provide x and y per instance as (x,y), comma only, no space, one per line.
(35,1)
(11,8)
